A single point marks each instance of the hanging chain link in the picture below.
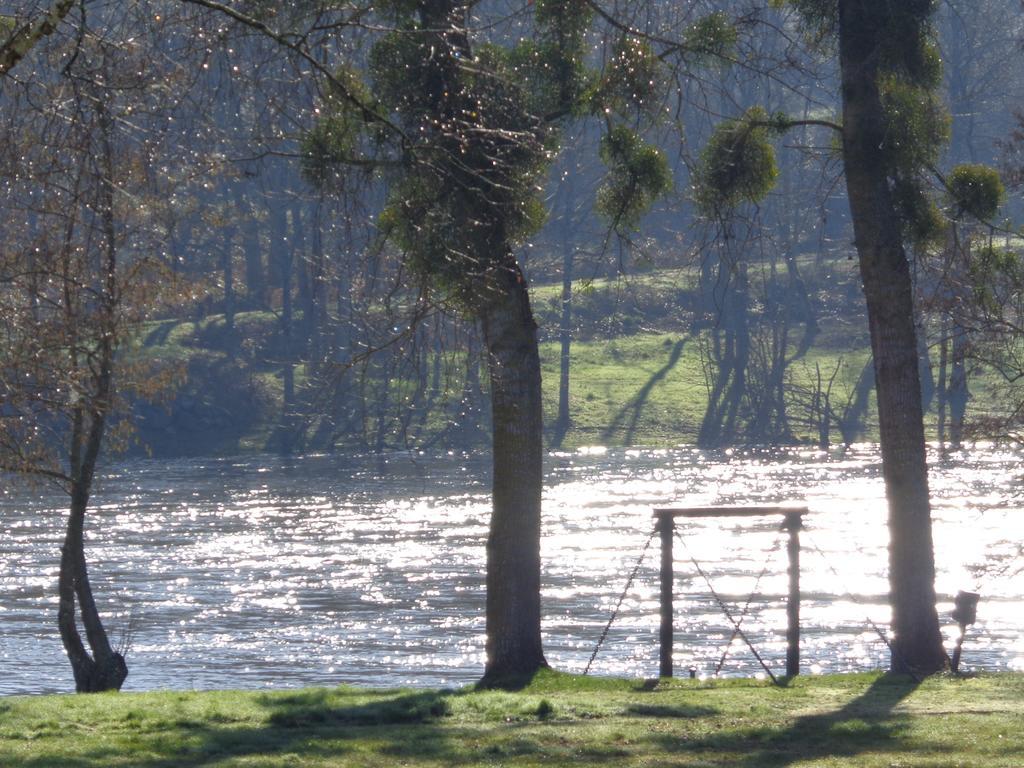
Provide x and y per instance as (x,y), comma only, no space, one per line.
(878,630)
(753,593)
(725,610)
(622,597)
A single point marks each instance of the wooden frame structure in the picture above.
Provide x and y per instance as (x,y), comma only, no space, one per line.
(792,522)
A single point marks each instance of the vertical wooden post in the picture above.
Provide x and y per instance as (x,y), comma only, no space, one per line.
(666,527)
(793,524)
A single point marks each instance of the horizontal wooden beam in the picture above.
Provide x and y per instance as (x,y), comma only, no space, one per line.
(729,511)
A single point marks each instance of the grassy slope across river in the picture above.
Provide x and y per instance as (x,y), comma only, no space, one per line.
(851,720)
(638,373)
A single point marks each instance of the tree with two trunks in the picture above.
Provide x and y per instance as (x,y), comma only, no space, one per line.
(80,270)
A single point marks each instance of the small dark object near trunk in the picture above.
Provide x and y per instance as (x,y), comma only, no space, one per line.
(965,613)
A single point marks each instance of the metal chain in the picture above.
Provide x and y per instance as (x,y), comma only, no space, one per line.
(618,605)
(726,611)
(753,593)
(878,630)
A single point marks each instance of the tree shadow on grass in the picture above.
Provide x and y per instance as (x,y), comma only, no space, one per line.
(307,726)
(159,335)
(635,406)
(863,725)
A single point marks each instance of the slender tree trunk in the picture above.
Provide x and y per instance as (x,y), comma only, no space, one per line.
(885,274)
(255,284)
(564,419)
(302,268)
(924,367)
(958,392)
(469,417)
(317,306)
(283,258)
(805,305)
(513,547)
(851,423)
(228,270)
(943,388)
(739,319)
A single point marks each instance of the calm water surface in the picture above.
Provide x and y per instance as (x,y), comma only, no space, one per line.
(320,570)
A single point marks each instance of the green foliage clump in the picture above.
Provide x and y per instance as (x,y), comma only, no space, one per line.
(917,125)
(336,135)
(633,78)
(819,17)
(552,80)
(400,80)
(551,66)
(923,221)
(990,269)
(638,174)
(468,194)
(396,9)
(907,49)
(738,162)
(712,36)
(565,20)
(976,190)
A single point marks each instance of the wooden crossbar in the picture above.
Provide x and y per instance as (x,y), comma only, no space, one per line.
(729,511)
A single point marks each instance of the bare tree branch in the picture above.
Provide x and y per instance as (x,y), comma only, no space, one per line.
(24,38)
(367,112)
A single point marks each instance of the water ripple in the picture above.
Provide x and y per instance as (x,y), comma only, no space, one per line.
(321,570)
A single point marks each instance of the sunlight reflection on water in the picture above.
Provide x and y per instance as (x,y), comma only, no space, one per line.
(323,569)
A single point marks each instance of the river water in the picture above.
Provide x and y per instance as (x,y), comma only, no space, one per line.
(322,570)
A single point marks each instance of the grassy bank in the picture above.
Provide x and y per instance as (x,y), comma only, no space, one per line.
(856,720)
(652,389)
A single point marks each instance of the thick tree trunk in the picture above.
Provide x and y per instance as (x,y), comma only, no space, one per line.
(885,273)
(514,649)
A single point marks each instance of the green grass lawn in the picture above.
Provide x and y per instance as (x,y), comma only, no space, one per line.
(559,720)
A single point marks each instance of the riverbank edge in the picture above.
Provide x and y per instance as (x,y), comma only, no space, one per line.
(558,719)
